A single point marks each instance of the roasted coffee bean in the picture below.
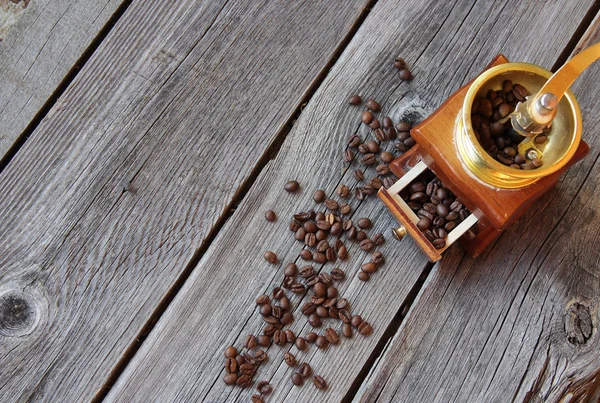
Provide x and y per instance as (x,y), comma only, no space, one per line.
(363,149)
(389,181)
(386,157)
(260,356)
(290,359)
(348,155)
(337,274)
(321,235)
(345,209)
(305,216)
(314,320)
(536,162)
(405,75)
(331,204)
(377,258)
(288,282)
(439,222)
(345,316)
(331,336)
(329,302)
(264,387)
(305,369)
(244,381)
(332,292)
(262,300)
(297,288)
(320,289)
(369,267)
(230,352)
(367,244)
(231,365)
(277,311)
(230,379)
(338,244)
(342,303)
(450,226)
(364,223)
(330,255)
(343,191)
(424,223)
(306,254)
(351,233)
(292,186)
(308,308)
(325,278)
(311,337)
(369,189)
(375,183)
(271,319)
(310,227)
(250,341)
(439,243)
(271,257)
(323,245)
(278,293)
(265,310)
(315,299)
(334,313)
(285,304)
(390,133)
(382,169)
(368,159)
(300,343)
(373,146)
(256,399)
(354,100)
(409,142)
(310,239)
(279,338)
(363,276)
(356,320)
(400,146)
(294,225)
(322,312)
(312,281)
(347,330)
(319,257)
(361,236)
(321,342)
(319,382)
(359,194)
(319,196)
(359,175)
(367,117)
(240,358)
(380,134)
(270,215)
(375,124)
(247,369)
(365,328)
(378,239)
(442,210)
(297,379)
(373,105)
(300,234)
(290,270)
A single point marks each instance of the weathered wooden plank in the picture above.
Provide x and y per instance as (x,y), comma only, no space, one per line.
(122,182)
(521,322)
(182,360)
(40,41)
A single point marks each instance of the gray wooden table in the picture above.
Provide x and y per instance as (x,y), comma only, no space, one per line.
(141,143)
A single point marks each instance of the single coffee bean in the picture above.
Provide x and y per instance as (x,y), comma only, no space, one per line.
(367,117)
(332,336)
(231,365)
(359,194)
(368,159)
(378,239)
(439,243)
(290,336)
(278,293)
(279,338)
(367,244)
(310,227)
(348,155)
(390,134)
(256,399)
(380,134)
(365,328)
(262,300)
(321,342)
(439,222)
(263,341)
(230,352)
(405,75)
(311,337)
(304,369)
(270,257)
(294,225)
(322,312)
(423,223)
(343,191)
(307,271)
(244,381)
(297,379)
(314,320)
(290,270)
(369,267)
(373,146)
(323,245)
(345,209)
(319,196)
(300,343)
(363,276)
(250,342)
(375,124)
(338,274)
(377,258)
(247,369)
(359,175)
(334,313)
(264,387)
(364,223)
(356,320)
(331,204)
(319,257)
(442,210)
(361,236)
(297,288)
(288,282)
(382,169)
(332,292)
(450,226)
(260,356)
(321,235)
(270,215)
(319,382)
(230,379)
(310,240)
(342,252)
(330,255)
(272,320)
(265,310)
(345,316)
(363,149)
(240,359)
(373,105)
(300,234)
(347,330)
(308,308)
(292,186)
(354,100)
(290,359)
(315,299)
(306,254)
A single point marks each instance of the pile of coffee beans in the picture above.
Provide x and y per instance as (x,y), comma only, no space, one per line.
(439,211)
(499,139)
(324,236)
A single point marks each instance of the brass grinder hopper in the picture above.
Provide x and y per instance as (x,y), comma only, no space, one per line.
(496,194)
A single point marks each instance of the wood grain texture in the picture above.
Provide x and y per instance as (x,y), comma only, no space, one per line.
(521,322)
(41,45)
(182,360)
(122,182)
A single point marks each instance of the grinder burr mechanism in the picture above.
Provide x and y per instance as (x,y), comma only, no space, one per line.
(496,194)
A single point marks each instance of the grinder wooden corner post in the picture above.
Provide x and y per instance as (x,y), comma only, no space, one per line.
(496,194)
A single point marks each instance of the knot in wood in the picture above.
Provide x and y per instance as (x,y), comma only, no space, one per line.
(18,314)
(578,324)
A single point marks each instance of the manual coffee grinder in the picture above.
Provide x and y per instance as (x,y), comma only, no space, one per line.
(495,194)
